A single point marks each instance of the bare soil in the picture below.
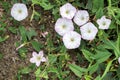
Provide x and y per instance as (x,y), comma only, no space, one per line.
(11,61)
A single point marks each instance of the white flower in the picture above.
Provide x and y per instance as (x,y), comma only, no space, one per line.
(19,11)
(88,31)
(67,11)
(103,23)
(81,17)
(72,40)
(63,25)
(119,60)
(38,58)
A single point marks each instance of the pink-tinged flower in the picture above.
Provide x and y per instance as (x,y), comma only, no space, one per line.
(38,58)
(72,40)
(63,26)
(19,11)
(67,11)
(81,17)
(103,23)
(88,31)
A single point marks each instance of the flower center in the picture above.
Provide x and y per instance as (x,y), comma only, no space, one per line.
(82,18)
(38,58)
(103,23)
(19,11)
(72,39)
(63,26)
(67,11)
(89,31)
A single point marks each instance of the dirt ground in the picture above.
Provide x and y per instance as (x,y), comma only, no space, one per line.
(11,61)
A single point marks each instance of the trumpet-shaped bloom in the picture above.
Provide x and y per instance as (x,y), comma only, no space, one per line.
(38,58)
(81,17)
(19,11)
(72,40)
(88,31)
(67,11)
(63,26)
(103,23)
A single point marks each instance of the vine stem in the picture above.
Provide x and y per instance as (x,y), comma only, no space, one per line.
(109,3)
(107,69)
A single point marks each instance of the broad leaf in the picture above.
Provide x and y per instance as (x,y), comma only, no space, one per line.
(97,4)
(93,68)
(31,33)
(52,58)
(87,55)
(77,70)
(36,45)
(23,33)
(101,55)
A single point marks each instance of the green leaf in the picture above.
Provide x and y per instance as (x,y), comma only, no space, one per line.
(13,30)
(37,72)
(31,33)
(3,38)
(89,5)
(1,56)
(22,52)
(97,4)
(23,33)
(118,44)
(88,77)
(25,70)
(43,3)
(36,45)
(41,74)
(93,68)
(99,13)
(87,55)
(101,56)
(53,69)
(44,74)
(98,78)
(113,45)
(52,58)
(77,70)
(107,69)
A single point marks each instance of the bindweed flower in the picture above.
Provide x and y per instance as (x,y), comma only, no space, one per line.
(67,11)
(63,26)
(19,11)
(72,40)
(103,23)
(88,31)
(81,17)
(38,58)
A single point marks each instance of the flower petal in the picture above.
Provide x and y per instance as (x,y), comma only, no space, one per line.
(38,63)
(43,59)
(32,60)
(34,54)
(41,54)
